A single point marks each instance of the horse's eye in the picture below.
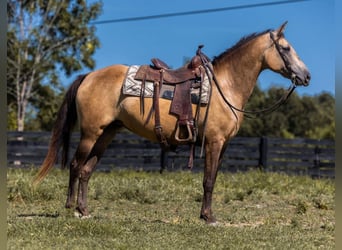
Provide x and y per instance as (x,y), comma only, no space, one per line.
(286,48)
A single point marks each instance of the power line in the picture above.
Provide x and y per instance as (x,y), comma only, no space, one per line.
(195,12)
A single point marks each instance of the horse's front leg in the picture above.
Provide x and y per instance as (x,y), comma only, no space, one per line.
(213,151)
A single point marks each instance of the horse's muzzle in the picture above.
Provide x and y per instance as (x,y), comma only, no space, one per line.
(301,79)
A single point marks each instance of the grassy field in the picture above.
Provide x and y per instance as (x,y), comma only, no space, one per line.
(139,210)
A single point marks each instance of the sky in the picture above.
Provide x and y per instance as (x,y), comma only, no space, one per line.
(310,30)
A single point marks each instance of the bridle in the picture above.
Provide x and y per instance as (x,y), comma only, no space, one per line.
(286,61)
(208,68)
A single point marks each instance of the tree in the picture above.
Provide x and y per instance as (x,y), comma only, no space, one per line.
(324,117)
(44,38)
(301,116)
(47,108)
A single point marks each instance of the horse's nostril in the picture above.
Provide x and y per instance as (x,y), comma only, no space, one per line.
(307,79)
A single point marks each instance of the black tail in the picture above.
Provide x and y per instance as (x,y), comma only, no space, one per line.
(65,122)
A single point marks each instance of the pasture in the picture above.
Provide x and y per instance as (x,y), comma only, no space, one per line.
(148,210)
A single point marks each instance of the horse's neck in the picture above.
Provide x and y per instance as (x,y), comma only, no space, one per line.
(237,75)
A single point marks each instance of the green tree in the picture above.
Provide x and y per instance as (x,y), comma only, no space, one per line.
(45,109)
(301,116)
(324,117)
(44,38)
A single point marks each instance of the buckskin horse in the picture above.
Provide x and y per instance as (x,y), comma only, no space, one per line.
(101,108)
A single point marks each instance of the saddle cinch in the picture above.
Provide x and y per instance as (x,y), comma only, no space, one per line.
(183,79)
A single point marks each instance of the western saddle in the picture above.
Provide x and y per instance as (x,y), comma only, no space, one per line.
(183,79)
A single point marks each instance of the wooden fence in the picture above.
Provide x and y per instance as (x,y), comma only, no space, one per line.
(293,156)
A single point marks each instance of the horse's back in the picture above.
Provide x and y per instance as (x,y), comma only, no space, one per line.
(106,79)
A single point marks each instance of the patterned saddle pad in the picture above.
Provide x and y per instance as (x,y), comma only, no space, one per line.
(133,87)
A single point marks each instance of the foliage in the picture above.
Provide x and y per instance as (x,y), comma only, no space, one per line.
(140,210)
(306,116)
(44,38)
(47,109)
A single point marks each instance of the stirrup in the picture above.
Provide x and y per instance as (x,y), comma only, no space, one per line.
(190,137)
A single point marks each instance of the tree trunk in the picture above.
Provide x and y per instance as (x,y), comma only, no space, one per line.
(21,117)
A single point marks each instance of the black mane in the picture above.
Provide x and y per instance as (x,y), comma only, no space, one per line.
(241,42)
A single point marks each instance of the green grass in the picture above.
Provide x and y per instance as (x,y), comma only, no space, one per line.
(139,210)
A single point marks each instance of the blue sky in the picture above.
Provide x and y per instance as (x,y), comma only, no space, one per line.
(310,29)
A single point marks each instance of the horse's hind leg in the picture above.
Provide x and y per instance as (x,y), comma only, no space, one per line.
(81,154)
(87,169)
(72,184)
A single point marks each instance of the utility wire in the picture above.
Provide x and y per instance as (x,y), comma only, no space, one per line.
(195,12)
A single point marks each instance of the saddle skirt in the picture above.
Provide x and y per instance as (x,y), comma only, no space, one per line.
(133,87)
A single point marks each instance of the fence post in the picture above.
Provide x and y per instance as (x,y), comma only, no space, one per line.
(263,147)
(164,160)
(317,161)
(317,158)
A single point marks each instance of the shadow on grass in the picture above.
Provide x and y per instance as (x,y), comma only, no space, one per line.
(45,215)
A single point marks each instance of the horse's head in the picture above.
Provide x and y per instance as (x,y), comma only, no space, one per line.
(282,58)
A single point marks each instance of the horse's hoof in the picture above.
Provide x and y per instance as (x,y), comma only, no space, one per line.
(210,220)
(214,224)
(77,214)
(84,217)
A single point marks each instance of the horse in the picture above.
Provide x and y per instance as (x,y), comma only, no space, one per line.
(96,101)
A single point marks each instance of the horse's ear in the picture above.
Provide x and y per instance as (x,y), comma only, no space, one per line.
(281,29)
